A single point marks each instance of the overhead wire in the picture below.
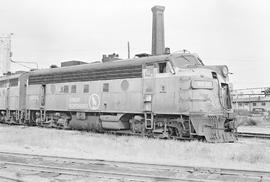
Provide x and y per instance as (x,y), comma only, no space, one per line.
(20,64)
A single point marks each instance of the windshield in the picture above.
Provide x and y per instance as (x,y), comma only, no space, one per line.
(185,60)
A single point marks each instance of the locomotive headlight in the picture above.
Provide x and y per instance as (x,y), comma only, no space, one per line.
(225,71)
(202,84)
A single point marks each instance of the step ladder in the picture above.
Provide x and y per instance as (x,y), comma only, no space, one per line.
(149,120)
(27,115)
(42,114)
(21,116)
(7,114)
(17,115)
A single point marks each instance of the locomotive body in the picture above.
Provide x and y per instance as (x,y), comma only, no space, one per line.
(166,96)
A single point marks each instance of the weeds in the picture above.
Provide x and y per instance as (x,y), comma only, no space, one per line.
(246,121)
(251,122)
(254,155)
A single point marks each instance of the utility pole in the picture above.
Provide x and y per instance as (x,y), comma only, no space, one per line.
(128,50)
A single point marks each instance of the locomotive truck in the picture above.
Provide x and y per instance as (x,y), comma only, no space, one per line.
(166,96)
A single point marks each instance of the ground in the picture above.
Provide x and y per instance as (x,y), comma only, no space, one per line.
(253,124)
(244,154)
(254,129)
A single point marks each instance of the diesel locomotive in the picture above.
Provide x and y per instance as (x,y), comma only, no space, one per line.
(167,96)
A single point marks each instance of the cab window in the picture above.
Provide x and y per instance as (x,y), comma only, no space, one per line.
(105,87)
(65,89)
(73,88)
(162,68)
(186,60)
(85,88)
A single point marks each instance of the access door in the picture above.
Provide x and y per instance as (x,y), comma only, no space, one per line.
(148,86)
(8,101)
(42,96)
(43,103)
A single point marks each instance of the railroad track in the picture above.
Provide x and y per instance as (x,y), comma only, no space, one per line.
(253,135)
(9,179)
(129,171)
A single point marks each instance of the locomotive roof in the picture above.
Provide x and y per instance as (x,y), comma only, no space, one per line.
(122,69)
(96,66)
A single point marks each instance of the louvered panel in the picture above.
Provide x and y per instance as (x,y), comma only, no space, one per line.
(47,78)
(88,75)
(71,79)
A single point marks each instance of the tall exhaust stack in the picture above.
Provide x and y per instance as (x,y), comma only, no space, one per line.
(158,41)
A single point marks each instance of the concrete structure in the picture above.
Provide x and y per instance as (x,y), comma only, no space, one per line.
(251,98)
(5,53)
(158,40)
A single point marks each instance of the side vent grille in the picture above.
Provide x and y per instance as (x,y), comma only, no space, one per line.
(88,75)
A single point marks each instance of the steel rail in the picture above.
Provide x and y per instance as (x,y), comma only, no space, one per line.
(88,172)
(253,135)
(211,170)
(10,178)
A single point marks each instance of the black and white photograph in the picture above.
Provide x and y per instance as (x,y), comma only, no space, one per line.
(134,91)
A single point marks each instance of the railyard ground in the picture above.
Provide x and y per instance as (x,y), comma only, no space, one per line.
(253,124)
(244,154)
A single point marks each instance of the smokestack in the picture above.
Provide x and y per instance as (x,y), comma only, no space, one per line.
(158,41)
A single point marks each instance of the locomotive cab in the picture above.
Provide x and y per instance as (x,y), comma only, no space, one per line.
(204,92)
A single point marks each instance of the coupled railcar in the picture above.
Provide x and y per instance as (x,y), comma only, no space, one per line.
(166,96)
(12,98)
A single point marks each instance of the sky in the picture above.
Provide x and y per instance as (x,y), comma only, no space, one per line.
(235,33)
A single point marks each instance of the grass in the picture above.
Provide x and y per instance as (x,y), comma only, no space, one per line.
(243,154)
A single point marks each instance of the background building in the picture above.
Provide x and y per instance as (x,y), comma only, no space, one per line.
(250,98)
